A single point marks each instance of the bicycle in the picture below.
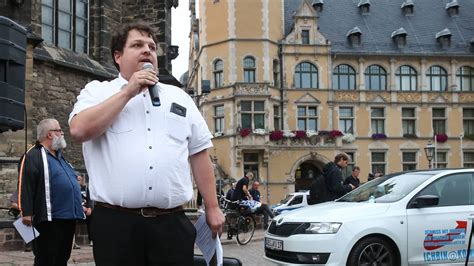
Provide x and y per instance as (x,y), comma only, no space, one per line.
(239,220)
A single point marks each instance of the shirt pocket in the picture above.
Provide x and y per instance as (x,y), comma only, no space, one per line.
(176,128)
(122,124)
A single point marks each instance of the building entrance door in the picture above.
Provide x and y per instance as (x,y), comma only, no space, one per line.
(305,174)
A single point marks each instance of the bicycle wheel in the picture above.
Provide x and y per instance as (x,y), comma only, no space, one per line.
(245,229)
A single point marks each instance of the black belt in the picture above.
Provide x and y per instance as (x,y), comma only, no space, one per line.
(145,212)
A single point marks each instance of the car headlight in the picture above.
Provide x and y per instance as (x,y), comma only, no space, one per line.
(322,228)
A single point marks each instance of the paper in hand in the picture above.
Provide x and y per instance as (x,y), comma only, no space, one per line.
(26,232)
(206,243)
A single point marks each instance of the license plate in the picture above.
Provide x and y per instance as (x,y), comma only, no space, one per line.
(273,244)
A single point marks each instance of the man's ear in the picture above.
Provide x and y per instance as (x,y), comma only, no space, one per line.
(117,57)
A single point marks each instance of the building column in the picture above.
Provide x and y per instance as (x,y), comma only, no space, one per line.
(392,82)
(452,81)
(423,75)
(361,74)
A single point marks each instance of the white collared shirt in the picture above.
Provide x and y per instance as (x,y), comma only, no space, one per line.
(141,160)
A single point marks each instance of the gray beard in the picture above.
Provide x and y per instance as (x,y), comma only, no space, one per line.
(58,143)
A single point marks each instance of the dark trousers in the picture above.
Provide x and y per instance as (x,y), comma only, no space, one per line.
(123,238)
(266,213)
(53,246)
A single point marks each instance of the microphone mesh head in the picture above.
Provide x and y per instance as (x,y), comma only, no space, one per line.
(148,65)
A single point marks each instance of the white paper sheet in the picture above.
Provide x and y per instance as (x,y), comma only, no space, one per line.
(26,232)
(206,243)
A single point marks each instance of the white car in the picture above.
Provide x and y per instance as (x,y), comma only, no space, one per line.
(412,218)
(293,201)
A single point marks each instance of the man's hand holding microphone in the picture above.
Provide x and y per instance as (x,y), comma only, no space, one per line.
(146,78)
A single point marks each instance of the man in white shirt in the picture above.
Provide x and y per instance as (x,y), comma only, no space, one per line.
(137,154)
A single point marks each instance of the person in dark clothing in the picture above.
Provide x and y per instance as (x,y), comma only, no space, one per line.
(241,191)
(228,195)
(333,178)
(49,196)
(353,178)
(263,209)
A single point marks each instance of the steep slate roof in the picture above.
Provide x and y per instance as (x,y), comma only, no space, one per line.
(386,16)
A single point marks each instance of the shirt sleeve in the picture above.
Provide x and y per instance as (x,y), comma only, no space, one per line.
(85,99)
(200,138)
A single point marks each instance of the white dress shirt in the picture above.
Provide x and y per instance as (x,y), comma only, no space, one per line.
(141,160)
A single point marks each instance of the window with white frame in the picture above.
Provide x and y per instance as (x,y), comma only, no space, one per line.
(406,78)
(378,120)
(251,162)
(344,78)
(439,120)
(468,121)
(307,117)
(276,117)
(253,114)
(346,119)
(218,73)
(219,118)
(378,162)
(65,23)
(249,69)
(441,159)
(468,159)
(465,78)
(306,76)
(375,78)
(408,121)
(437,78)
(409,160)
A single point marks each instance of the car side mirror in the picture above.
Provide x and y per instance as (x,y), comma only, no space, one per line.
(424,201)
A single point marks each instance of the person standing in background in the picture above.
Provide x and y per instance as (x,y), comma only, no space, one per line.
(353,178)
(139,156)
(49,195)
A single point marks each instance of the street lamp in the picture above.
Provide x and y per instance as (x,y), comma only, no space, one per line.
(429,151)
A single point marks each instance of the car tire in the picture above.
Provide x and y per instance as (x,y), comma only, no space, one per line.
(373,251)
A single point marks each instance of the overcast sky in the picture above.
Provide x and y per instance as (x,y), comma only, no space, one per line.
(180,36)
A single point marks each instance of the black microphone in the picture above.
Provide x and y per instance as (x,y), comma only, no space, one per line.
(152,89)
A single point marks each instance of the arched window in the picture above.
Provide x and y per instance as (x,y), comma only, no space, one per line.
(437,78)
(406,78)
(465,78)
(306,76)
(249,69)
(375,78)
(344,78)
(218,73)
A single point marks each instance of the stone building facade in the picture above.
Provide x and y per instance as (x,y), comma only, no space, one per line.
(75,50)
(294,82)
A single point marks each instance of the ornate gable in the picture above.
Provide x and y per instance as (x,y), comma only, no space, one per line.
(308,98)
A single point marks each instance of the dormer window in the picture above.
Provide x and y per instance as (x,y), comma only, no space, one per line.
(304,36)
(407,7)
(400,37)
(444,38)
(452,8)
(472,45)
(354,36)
(318,5)
(364,6)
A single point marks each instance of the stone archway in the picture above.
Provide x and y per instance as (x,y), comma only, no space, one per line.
(306,168)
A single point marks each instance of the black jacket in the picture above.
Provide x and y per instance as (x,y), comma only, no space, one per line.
(355,181)
(333,179)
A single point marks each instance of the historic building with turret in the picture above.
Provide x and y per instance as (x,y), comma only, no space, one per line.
(285,85)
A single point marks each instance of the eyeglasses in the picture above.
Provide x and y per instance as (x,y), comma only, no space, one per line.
(56,130)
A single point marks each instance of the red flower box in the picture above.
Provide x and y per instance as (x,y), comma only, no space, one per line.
(245,132)
(335,133)
(276,135)
(300,134)
(441,138)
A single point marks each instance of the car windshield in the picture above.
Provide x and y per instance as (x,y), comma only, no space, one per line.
(388,188)
(288,198)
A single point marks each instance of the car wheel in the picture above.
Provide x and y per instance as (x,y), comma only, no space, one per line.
(373,251)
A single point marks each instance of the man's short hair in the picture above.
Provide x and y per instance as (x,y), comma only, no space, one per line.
(44,126)
(249,175)
(341,156)
(120,36)
(355,168)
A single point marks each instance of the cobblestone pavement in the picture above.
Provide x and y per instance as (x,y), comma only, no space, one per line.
(250,254)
